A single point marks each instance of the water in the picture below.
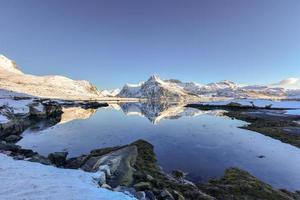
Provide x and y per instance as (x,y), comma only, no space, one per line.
(202,143)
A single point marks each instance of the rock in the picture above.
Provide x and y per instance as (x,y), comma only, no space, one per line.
(19,157)
(9,147)
(106,186)
(58,158)
(239,184)
(166,195)
(178,174)
(142,186)
(127,190)
(40,159)
(234,104)
(100,178)
(177,195)
(75,163)
(140,195)
(150,195)
(13,138)
(37,110)
(26,152)
(149,178)
(106,170)
(120,165)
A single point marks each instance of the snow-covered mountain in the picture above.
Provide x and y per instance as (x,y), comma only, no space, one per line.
(156,88)
(110,93)
(12,79)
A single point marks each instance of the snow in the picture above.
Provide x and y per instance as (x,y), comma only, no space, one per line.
(18,106)
(3,119)
(220,89)
(44,86)
(260,103)
(33,181)
(111,93)
(9,65)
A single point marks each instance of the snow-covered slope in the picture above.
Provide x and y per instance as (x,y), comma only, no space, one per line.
(44,86)
(156,88)
(110,93)
(33,181)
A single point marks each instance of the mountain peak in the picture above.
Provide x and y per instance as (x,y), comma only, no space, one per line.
(8,65)
(154,78)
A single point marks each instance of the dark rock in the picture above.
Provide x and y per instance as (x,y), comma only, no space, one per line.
(75,163)
(40,159)
(261,156)
(150,195)
(19,157)
(239,184)
(13,138)
(140,195)
(166,195)
(178,174)
(142,186)
(58,158)
(9,147)
(26,152)
(177,195)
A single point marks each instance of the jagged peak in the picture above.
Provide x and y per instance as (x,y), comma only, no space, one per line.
(154,78)
(9,65)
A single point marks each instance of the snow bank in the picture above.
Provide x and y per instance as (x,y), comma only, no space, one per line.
(260,103)
(18,106)
(33,181)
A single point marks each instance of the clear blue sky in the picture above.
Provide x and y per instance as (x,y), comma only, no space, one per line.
(110,42)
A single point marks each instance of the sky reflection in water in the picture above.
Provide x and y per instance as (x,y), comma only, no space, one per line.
(200,143)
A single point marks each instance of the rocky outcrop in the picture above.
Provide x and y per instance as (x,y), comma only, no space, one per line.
(239,184)
(17,123)
(133,169)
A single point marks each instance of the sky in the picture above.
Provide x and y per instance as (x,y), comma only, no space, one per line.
(112,42)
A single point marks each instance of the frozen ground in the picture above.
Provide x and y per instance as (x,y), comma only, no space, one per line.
(260,102)
(23,180)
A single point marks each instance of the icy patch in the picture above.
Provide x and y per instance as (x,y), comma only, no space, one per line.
(18,106)
(32,181)
(3,119)
(260,103)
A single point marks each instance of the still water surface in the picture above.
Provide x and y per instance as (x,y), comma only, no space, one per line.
(202,143)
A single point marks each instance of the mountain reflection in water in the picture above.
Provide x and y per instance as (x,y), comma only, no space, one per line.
(201,143)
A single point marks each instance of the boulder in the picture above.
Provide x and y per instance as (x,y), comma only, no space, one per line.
(58,158)
(12,138)
(140,195)
(40,159)
(119,162)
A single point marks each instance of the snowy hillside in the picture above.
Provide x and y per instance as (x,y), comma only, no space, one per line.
(156,88)
(13,79)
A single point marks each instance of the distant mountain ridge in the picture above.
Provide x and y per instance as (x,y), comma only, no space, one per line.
(156,88)
(13,79)
(60,87)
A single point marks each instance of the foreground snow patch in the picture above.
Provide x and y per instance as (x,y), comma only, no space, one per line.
(33,181)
